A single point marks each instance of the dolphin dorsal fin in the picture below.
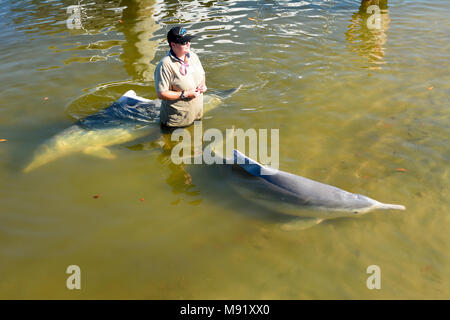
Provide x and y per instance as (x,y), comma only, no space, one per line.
(132,94)
(251,166)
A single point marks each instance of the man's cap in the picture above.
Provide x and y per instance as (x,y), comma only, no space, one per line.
(178,35)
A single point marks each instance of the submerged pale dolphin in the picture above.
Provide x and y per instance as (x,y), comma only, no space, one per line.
(292,194)
(129,118)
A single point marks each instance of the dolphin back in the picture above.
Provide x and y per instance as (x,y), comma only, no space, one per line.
(129,109)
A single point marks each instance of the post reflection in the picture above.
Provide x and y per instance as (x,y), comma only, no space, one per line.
(139,48)
(134,18)
(366,33)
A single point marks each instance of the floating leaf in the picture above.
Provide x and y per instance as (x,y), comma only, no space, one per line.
(46,98)
(142,200)
(420,194)
(431,88)
(3,140)
(401,169)
(426,268)
(96,196)
(251,19)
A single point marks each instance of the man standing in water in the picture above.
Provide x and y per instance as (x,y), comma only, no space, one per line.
(180,81)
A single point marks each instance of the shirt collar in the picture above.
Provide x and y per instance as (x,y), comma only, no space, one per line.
(172,54)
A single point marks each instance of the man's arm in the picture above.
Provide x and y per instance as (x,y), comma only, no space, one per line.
(163,87)
(176,95)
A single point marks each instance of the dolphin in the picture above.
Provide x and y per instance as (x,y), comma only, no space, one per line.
(129,118)
(290,194)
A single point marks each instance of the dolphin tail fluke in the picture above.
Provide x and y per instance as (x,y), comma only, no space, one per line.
(225,94)
(214,99)
(388,206)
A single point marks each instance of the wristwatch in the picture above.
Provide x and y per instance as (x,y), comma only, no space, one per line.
(182,96)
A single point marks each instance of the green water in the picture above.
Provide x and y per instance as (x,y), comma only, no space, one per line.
(353,106)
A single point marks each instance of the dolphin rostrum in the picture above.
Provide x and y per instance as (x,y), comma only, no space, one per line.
(129,118)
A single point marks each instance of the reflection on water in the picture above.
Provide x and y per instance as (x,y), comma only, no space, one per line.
(89,23)
(366,33)
(178,178)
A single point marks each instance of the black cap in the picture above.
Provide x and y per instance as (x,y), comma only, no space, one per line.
(178,35)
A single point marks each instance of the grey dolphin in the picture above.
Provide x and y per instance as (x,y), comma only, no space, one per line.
(291,194)
(129,118)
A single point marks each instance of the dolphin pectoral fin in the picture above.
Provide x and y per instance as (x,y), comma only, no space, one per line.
(100,152)
(301,224)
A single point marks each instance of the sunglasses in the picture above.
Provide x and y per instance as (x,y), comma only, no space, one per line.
(183,42)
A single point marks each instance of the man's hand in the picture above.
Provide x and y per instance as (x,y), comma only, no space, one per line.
(201,88)
(192,94)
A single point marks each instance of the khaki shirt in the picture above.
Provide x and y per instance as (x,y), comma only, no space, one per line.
(179,113)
